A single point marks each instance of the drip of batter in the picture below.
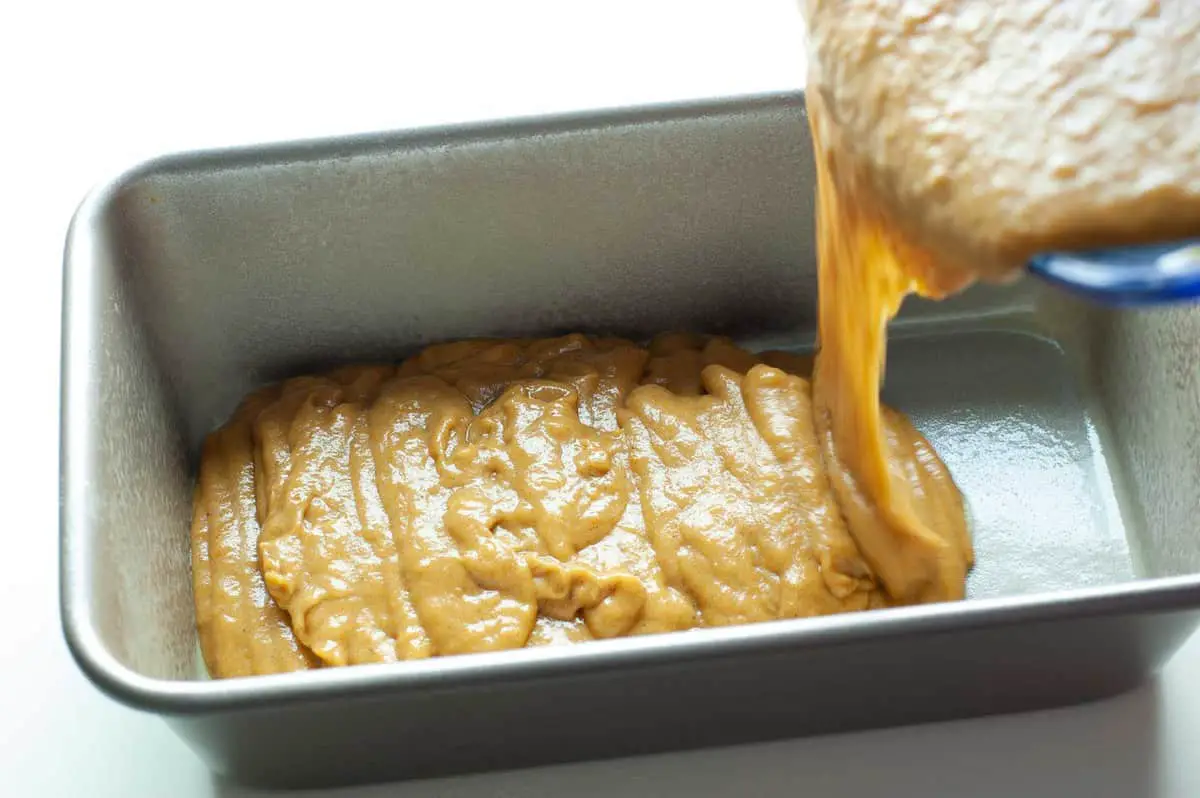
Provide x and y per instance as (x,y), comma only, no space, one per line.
(864,274)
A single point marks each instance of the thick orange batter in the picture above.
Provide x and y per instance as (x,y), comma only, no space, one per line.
(489,495)
(990,132)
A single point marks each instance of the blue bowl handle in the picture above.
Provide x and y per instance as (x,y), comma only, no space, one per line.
(1142,275)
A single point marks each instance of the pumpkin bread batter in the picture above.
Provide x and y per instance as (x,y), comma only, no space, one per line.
(488,495)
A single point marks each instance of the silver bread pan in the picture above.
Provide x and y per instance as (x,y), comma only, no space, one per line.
(1073,431)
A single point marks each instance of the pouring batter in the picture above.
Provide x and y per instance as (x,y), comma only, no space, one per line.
(953,141)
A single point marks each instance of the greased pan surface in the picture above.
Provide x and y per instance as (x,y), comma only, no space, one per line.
(194,278)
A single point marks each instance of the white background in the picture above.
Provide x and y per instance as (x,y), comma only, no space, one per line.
(88,88)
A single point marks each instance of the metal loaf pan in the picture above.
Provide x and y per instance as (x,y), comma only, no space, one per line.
(1073,431)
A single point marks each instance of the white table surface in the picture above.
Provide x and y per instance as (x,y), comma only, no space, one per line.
(90,87)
